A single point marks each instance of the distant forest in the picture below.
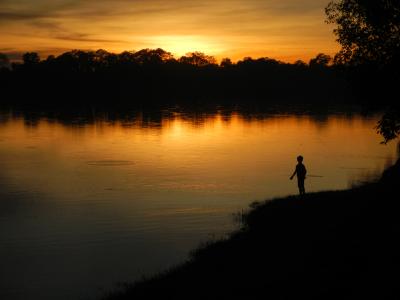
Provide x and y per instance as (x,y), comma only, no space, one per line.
(156,76)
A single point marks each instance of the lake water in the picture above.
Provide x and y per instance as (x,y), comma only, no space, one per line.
(85,204)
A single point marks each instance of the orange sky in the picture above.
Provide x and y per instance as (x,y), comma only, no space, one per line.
(283,29)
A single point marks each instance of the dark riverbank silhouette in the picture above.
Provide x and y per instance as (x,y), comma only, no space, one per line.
(327,245)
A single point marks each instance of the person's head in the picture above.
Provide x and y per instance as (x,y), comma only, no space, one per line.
(300,159)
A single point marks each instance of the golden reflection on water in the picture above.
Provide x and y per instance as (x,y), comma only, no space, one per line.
(112,191)
(201,153)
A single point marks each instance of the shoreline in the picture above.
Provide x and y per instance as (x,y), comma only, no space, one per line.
(326,245)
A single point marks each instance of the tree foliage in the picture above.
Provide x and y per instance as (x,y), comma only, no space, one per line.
(368,31)
(389,125)
(198,59)
(321,60)
(31,58)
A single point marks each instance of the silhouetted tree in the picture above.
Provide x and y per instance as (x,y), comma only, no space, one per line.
(4,61)
(126,57)
(156,56)
(321,60)
(300,63)
(198,59)
(50,58)
(226,62)
(31,58)
(78,61)
(389,125)
(104,59)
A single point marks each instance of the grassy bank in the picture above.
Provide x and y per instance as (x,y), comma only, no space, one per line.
(328,245)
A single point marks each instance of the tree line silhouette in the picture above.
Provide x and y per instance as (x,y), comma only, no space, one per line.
(103,77)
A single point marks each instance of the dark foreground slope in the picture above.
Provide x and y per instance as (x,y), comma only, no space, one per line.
(329,245)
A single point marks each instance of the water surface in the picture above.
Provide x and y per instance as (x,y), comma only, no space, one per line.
(84,205)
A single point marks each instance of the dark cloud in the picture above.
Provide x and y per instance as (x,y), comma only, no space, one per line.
(56,31)
(19,16)
(82,37)
(16,56)
(50,26)
(28,10)
(293,7)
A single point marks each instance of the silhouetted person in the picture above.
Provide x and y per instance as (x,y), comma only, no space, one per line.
(301,174)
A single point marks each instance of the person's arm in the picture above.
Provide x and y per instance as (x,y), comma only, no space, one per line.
(294,173)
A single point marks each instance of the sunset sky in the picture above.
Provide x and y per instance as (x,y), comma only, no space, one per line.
(283,29)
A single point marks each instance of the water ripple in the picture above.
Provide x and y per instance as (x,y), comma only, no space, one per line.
(109,163)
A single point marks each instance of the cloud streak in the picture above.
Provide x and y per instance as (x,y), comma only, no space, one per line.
(19,16)
(80,37)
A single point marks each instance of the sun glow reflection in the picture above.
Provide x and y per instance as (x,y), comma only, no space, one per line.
(173,152)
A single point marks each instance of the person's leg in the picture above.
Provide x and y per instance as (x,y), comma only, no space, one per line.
(302,190)
(299,184)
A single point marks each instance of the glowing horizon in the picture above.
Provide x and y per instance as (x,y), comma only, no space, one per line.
(285,30)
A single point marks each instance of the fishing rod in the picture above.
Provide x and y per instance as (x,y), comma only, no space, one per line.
(315,176)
